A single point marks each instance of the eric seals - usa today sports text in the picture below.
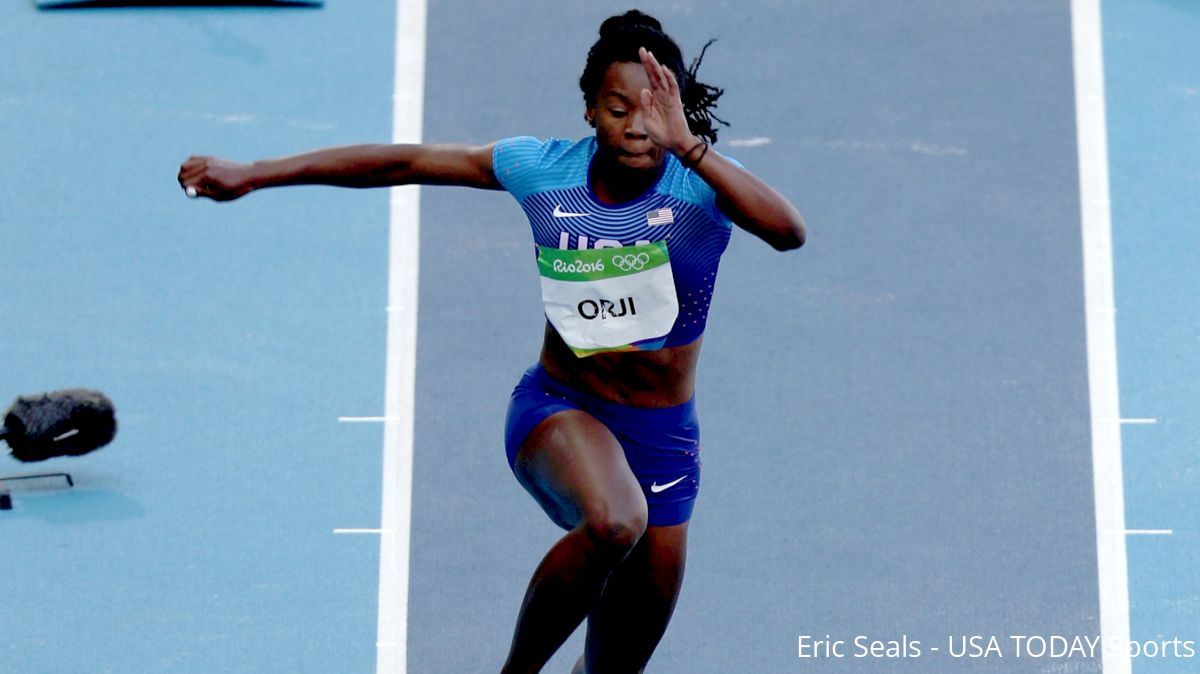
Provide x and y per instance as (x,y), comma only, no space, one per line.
(985,646)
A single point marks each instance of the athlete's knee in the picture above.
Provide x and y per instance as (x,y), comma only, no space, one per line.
(616,527)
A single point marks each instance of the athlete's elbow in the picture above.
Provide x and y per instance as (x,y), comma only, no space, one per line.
(790,237)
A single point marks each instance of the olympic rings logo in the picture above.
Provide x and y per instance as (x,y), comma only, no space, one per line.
(631,262)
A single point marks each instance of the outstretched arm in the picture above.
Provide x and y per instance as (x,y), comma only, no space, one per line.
(752,204)
(349,166)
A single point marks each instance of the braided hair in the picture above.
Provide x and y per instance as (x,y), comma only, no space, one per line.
(620,38)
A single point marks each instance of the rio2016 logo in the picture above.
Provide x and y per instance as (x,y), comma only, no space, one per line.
(578,267)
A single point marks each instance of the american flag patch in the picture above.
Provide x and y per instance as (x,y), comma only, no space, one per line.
(662,216)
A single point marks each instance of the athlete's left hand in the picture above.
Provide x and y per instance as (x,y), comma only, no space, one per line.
(662,108)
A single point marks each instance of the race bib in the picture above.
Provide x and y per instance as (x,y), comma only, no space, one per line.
(609,299)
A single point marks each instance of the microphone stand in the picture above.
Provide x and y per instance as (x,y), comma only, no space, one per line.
(6,495)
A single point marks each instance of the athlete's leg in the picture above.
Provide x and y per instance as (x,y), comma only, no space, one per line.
(577,471)
(626,624)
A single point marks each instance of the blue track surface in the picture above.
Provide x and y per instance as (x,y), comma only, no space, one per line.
(896,424)
(1154,110)
(230,339)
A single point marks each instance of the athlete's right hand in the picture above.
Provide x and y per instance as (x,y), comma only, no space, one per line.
(215,178)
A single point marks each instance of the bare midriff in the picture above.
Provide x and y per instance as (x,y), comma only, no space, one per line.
(661,378)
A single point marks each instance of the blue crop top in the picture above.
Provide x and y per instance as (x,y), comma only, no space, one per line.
(550,181)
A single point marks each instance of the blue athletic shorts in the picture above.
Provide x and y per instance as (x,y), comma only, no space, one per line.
(662,444)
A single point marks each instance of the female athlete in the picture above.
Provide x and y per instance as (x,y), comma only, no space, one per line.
(629,226)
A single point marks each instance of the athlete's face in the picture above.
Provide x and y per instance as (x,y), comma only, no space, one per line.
(619,118)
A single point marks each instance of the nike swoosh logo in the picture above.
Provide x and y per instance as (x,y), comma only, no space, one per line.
(656,488)
(560,213)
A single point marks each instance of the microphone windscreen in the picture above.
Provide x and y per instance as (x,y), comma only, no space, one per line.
(70,422)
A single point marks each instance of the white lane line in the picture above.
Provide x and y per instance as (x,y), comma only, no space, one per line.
(1149,532)
(1136,420)
(403,260)
(363,420)
(362,531)
(1096,217)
